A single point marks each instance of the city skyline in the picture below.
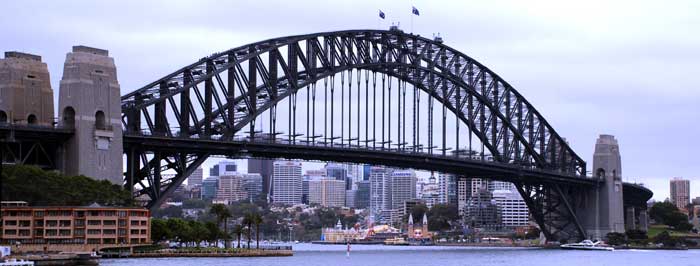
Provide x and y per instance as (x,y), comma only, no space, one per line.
(570,99)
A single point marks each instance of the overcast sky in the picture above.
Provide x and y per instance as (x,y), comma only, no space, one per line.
(627,68)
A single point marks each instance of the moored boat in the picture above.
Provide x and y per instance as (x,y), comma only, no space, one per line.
(588,245)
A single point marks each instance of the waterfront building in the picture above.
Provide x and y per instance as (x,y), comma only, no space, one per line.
(86,227)
(680,192)
(327,192)
(338,234)
(418,233)
(230,189)
(209,187)
(253,185)
(512,207)
(286,182)
(362,194)
(263,167)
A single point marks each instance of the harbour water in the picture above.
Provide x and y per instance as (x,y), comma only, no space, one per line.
(380,255)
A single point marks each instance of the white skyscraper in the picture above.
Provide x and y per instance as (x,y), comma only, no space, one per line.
(287,182)
(380,191)
(447,189)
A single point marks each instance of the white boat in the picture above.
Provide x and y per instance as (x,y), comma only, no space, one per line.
(588,245)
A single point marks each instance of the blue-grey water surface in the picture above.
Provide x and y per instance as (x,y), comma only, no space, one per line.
(379,255)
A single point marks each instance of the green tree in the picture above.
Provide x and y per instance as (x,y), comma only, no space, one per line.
(214,233)
(615,238)
(248,222)
(256,219)
(180,230)
(50,188)
(238,231)
(222,214)
(442,216)
(198,232)
(160,230)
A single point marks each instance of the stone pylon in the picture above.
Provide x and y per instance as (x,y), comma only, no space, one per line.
(89,101)
(604,206)
(26,96)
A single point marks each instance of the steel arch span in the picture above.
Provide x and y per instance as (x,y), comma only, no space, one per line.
(217,106)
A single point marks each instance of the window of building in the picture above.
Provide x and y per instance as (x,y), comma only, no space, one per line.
(79,232)
(94,231)
(109,222)
(38,232)
(69,117)
(109,232)
(25,223)
(50,223)
(94,213)
(10,232)
(122,213)
(39,213)
(64,232)
(134,223)
(94,241)
(64,223)
(53,232)
(122,223)
(122,232)
(79,222)
(10,223)
(24,232)
(39,223)
(94,222)
(134,231)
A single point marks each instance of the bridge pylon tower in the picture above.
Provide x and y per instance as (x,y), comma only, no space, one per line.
(89,102)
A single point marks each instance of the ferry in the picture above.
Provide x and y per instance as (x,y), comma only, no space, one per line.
(397,241)
(588,245)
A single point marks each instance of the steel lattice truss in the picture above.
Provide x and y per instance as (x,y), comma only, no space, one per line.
(217,97)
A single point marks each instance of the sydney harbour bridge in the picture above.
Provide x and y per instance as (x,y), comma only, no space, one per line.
(361,96)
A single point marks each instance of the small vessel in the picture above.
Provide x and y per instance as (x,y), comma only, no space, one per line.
(588,245)
(396,241)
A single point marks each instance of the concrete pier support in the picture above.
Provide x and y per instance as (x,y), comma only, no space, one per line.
(643,220)
(89,101)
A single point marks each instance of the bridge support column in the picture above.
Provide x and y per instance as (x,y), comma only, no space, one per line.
(631,221)
(602,210)
(643,220)
(90,98)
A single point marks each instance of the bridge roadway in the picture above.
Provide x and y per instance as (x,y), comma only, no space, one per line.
(320,151)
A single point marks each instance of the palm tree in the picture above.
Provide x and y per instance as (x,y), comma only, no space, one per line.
(257,220)
(238,231)
(248,222)
(222,214)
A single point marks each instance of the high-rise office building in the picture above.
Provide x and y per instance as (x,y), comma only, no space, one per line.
(512,207)
(447,189)
(464,193)
(327,192)
(362,195)
(195,179)
(231,189)
(680,192)
(264,168)
(482,211)
(350,198)
(214,170)
(365,171)
(253,185)
(478,184)
(380,191)
(339,172)
(309,176)
(494,185)
(209,187)
(286,182)
(403,187)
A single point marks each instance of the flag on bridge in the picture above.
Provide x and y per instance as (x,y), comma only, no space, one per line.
(415,11)
(381,14)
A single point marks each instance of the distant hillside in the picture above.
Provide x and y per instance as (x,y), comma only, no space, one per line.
(50,188)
